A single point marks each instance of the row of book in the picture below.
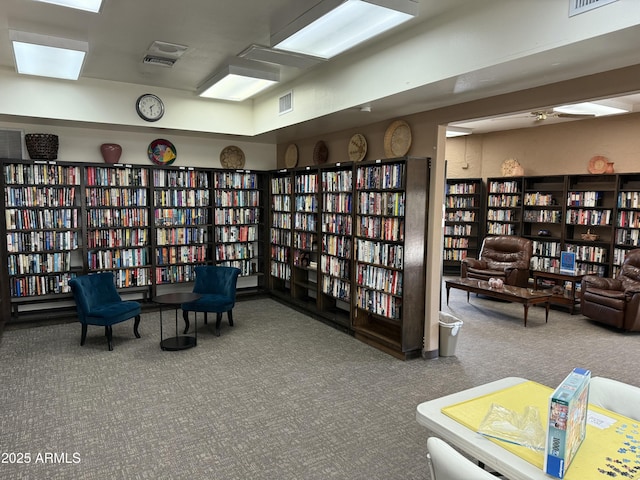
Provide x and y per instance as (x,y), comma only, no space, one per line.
(235,180)
(338,246)
(281,186)
(538,199)
(504,187)
(116,197)
(589,217)
(379,303)
(628,237)
(337,224)
(544,263)
(181,216)
(247,267)
(117,177)
(387,176)
(235,251)
(181,254)
(588,253)
(236,198)
(118,237)
(280,237)
(117,217)
(379,203)
(280,203)
(246,215)
(41,174)
(280,254)
(306,203)
(181,198)
(281,270)
(461,188)
(120,258)
(584,199)
(542,216)
(306,183)
(510,201)
(619,255)
(494,228)
(457,242)
(455,255)
(502,215)
(335,267)
(628,219)
(336,288)
(38,196)
(458,230)
(180,178)
(41,240)
(62,218)
(390,228)
(175,274)
(305,221)
(460,216)
(460,202)
(380,253)
(281,220)
(237,233)
(305,241)
(33,263)
(181,236)
(41,285)
(378,278)
(341,181)
(546,249)
(337,202)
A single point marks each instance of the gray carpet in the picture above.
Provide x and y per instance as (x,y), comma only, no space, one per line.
(278,396)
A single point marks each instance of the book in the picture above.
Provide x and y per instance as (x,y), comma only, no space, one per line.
(568,262)
(567,422)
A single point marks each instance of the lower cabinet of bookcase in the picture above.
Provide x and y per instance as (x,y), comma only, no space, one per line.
(386,334)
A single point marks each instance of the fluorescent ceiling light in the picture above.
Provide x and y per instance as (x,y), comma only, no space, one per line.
(334,26)
(588,108)
(458,131)
(261,53)
(237,83)
(48,56)
(87,5)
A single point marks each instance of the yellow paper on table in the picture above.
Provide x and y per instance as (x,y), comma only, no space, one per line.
(611,447)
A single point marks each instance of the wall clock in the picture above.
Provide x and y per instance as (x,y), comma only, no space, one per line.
(357,147)
(150,107)
(397,139)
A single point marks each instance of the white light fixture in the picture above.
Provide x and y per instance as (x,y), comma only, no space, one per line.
(458,131)
(87,5)
(239,82)
(47,56)
(589,108)
(334,26)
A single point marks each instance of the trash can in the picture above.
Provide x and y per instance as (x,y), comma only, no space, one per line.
(449,331)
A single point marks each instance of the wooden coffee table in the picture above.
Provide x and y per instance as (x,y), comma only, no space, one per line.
(525,296)
(559,278)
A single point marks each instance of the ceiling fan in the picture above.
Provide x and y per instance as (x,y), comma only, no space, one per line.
(541,115)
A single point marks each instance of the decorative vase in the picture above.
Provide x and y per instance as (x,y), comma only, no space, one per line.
(609,167)
(111,152)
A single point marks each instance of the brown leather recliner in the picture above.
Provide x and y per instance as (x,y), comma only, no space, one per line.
(614,301)
(506,257)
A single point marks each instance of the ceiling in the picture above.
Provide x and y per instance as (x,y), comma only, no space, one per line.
(213,31)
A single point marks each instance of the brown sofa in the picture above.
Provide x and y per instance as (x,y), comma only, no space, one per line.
(614,301)
(505,257)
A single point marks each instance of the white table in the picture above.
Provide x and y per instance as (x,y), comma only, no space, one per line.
(429,414)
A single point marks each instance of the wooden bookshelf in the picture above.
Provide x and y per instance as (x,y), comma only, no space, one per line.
(504,206)
(280,235)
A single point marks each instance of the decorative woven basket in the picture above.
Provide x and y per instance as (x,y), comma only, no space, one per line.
(42,146)
(591,237)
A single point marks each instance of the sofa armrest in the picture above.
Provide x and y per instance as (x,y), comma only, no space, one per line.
(475,263)
(602,283)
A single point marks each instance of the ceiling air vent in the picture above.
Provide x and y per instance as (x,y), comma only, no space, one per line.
(160,61)
(285,103)
(577,7)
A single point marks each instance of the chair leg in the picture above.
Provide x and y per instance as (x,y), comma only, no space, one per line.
(108,331)
(230,317)
(135,327)
(218,322)
(205,318)
(185,316)
(83,337)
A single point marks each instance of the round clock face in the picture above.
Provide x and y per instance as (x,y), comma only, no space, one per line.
(357,147)
(150,107)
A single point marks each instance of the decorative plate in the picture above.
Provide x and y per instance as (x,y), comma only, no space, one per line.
(320,153)
(511,168)
(357,147)
(598,164)
(397,139)
(232,157)
(291,156)
(162,152)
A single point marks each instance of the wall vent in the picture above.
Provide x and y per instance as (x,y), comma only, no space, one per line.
(160,61)
(12,144)
(577,7)
(285,103)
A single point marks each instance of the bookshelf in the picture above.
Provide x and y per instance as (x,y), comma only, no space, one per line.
(504,206)
(280,192)
(336,244)
(627,219)
(118,235)
(182,223)
(238,217)
(462,227)
(304,284)
(390,228)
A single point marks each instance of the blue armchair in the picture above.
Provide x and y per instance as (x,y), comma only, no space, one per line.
(217,287)
(99,303)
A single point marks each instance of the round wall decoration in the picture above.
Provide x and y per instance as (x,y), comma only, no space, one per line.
(397,139)
(357,147)
(232,157)
(291,156)
(320,153)
(512,168)
(598,164)
(162,152)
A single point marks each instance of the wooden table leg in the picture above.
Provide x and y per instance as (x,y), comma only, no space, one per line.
(526,312)
(468,292)
(546,313)
(448,290)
